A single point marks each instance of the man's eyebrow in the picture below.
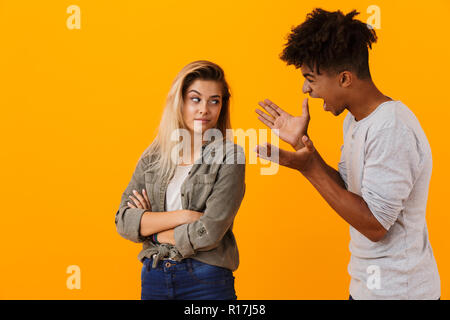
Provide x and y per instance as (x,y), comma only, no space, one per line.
(308,74)
(215,96)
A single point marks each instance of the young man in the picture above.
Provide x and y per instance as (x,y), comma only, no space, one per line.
(381,187)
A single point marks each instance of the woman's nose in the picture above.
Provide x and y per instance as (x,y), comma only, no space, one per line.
(203,108)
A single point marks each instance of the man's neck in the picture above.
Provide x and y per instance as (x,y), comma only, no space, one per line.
(366,99)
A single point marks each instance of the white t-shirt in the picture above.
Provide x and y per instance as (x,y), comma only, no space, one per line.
(386,159)
(173,193)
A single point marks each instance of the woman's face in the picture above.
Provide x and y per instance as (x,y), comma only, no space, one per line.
(202,105)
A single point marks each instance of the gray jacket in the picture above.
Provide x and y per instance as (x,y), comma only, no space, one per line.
(215,186)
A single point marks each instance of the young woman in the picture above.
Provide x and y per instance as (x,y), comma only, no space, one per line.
(183,196)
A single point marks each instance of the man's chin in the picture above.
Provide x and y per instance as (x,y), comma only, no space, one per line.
(330,109)
(337,112)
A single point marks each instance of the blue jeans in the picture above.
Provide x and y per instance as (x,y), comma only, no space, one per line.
(188,279)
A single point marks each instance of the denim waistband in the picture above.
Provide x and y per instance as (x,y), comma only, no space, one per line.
(168,264)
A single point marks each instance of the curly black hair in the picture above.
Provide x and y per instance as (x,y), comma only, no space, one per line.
(331,41)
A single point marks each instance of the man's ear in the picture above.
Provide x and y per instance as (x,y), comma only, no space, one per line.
(345,79)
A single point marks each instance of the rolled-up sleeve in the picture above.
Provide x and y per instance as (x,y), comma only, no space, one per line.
(128,220)
(342,167)
(221,208)
(392,164)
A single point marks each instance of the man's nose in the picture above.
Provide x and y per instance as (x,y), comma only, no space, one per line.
(306,87)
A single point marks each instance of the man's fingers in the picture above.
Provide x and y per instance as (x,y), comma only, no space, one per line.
(266,122)
(265,116)
(269,109)
(274,107)
(263,151)
(305,107)
(308,143)
(274,154)
(295,160)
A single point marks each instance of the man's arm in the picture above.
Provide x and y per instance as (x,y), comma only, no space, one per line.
(393,161)
(350,206)
(291,129)
(333,173)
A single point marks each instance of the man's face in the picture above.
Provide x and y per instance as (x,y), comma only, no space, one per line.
(324,86)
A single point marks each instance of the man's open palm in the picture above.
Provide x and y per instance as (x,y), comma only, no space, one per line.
(290,129)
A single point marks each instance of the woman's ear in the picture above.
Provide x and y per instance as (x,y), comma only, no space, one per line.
(345,79)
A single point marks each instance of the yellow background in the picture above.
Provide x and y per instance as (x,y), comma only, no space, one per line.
(78,107)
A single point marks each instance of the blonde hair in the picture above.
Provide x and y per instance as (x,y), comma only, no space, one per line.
(172,118)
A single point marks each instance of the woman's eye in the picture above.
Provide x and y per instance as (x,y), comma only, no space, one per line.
(215,101)
(195,99)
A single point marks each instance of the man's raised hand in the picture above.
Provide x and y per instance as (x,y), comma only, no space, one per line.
(290,129)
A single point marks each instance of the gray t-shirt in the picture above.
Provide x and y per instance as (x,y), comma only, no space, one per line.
(386,159)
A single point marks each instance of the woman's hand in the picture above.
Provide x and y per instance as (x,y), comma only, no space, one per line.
(166,236)
(191,216)
(290,129)
(140,201)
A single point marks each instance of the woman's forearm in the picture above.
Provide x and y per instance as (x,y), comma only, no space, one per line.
(153,222)
(167,236)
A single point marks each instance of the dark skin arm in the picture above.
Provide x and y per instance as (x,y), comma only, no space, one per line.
(328,182)
(350,206)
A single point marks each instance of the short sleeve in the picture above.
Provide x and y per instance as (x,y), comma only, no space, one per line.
(392,163)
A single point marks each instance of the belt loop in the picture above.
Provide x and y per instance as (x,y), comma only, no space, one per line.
(189,264)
